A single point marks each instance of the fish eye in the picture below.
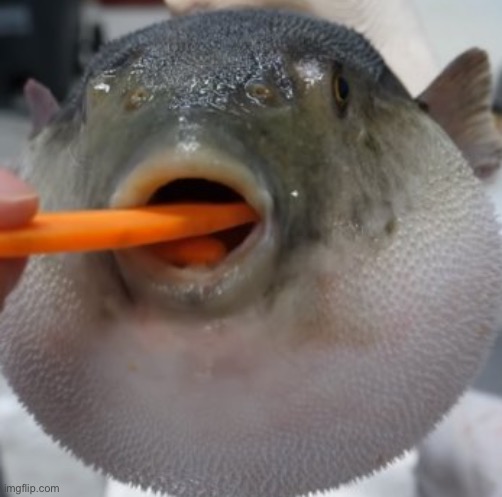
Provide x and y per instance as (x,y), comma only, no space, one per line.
(341,90)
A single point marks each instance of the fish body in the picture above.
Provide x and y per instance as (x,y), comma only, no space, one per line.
(336,332)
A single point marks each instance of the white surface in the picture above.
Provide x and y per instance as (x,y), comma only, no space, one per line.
(120,21)
(464,456)
(30,457)
(456,25)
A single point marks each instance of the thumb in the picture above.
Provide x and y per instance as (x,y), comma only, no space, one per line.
(18,201)
(18,204)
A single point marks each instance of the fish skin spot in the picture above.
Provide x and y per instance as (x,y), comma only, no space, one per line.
(391,227)
(136,98)
(261,93)
(372,145)
(484,331)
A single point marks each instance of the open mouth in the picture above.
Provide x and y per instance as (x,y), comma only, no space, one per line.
(210,249)
(166,180)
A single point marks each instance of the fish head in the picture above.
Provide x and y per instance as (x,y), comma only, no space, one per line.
(273,123)
(339,328)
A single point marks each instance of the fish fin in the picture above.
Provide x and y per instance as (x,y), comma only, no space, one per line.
(460,101)
(41,103)
(183,7)
(497,103)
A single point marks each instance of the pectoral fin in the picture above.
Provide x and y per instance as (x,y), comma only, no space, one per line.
(497,103)
(41,103)
(459,99)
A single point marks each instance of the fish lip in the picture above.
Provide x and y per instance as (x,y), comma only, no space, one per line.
(199,283)
(166,166)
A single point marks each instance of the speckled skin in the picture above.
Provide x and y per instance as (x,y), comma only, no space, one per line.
(365,322)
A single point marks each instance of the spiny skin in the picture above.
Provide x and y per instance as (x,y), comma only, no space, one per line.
(332,356)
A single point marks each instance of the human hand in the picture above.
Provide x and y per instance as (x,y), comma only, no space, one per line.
(18,205)
(181,7)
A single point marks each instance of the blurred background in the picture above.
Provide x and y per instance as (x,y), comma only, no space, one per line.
(52,41)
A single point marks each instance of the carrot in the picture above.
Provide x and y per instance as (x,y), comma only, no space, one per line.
(198,251)
(116,229)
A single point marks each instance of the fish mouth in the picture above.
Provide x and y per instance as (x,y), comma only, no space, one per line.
(208,177)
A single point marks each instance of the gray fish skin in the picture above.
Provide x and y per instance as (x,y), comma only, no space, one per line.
(333,342)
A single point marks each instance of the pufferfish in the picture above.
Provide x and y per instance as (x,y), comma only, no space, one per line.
(340,326)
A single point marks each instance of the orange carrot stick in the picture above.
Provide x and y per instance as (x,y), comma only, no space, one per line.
(112,229)
(198,251)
